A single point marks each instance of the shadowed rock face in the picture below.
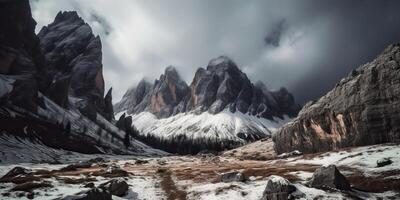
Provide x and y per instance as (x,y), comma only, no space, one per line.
(19,52)
(221,86)
(73,63)
(362,109)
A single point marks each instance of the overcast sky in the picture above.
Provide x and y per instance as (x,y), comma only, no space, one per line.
(304,45)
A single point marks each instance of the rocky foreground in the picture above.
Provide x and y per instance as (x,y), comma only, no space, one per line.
(370,172)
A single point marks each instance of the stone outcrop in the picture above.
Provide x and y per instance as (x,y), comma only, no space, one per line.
(278,188)
(329,177)
(362,109)
(222,85)
(73,64)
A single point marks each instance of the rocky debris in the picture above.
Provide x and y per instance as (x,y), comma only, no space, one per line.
(383,162)
(231,177)
(75,166)
(141,162)
(278,188)
(112,171)
(161,162)
(97,160)
(221,86)
(329,177)
(92,194)
(89,185)
(30,186)
(117,187)
(362,109)
(17,171)
(290,154)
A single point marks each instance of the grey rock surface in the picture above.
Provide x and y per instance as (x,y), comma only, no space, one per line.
(362,109)
(72,50)
(222,85)
(329,177)
(277,188)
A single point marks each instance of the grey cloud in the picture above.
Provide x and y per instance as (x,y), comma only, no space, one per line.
(311,44)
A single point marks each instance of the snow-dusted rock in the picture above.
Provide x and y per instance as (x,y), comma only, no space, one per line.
(231,177)
(383,162)
(277,188)
(327,177)
(117,187)
(17,171)
(92,194)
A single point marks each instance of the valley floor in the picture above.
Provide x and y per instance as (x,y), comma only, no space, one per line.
(196,177)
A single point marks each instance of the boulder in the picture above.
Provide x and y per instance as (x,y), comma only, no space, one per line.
(278,188)
(117,187)
(17,171)
(329,177)
(75,166)
(92,194)
(290,154)
(383,162)
(231,177)
(112,171)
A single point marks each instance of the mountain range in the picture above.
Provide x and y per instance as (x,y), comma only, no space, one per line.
(220,109)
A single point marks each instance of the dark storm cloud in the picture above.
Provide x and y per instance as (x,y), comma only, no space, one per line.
(305,45)
(274,36)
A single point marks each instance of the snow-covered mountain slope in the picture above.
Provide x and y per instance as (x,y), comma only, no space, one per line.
(225,128)
(35,135)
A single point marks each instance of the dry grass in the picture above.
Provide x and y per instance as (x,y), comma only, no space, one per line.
(169,186)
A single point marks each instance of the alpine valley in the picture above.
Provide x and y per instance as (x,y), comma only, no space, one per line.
(221,136)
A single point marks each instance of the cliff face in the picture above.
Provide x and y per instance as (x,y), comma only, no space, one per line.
(20,54)
(73,64)
(222,85)
(362,109)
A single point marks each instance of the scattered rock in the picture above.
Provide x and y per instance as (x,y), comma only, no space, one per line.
(93,194)
(112,171)
(383,162)
(30,195)
(278,188)
(30,186)
(328,177)
(17,171)
(89,185)
(231,177)
(140,162)
(290,154)
(161,162)
(97,160)
(75,166)
(117,187)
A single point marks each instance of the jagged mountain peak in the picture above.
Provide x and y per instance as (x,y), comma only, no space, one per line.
(221,86)
(70,16)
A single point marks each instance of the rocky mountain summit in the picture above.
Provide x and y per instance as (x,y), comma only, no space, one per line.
(52,89)
(222,85)
(362,109)
(220,109)
(73,64)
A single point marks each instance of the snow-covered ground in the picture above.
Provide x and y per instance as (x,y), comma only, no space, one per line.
(224,125)
(361,158)
(196,176)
